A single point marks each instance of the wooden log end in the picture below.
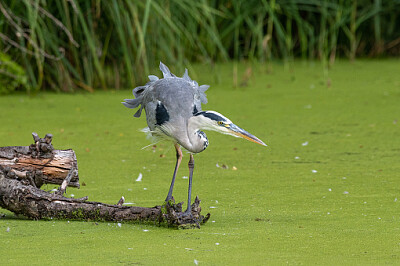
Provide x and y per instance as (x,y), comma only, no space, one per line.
(40,163)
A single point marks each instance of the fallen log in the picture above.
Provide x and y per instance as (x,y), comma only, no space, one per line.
(40,163)
(21,195)
(35,203)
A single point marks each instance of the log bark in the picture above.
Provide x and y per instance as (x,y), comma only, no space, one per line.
(40,163)
(20,193)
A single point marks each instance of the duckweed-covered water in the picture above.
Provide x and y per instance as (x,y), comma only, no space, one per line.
(325,190)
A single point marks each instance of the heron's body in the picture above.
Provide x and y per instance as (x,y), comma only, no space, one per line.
(173,111)
(169,102)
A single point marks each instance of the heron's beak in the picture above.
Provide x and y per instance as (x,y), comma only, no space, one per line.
(235,130)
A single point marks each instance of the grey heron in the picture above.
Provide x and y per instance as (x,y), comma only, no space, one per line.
(173,112)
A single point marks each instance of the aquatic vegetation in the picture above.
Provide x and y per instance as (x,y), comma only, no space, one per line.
(324,191)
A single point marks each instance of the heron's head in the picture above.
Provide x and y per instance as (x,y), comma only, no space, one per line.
(211,120)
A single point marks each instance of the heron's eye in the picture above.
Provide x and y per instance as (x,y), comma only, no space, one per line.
(220,123)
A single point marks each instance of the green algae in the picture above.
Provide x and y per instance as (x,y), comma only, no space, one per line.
(324,191)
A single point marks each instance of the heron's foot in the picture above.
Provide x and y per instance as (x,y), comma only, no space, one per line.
(172,214)
(186,214)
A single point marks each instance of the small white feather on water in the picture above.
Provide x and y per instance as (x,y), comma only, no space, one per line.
(139,177)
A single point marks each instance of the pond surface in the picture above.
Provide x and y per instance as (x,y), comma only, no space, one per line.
(324,191)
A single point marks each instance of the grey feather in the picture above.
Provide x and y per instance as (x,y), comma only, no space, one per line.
(139,112)
(138,91)
(186,76)
(166,72)
(132,103)
(153,78)
(203,97)
(203,88)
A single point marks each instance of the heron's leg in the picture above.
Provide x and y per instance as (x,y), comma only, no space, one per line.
(191,167)
(178,162)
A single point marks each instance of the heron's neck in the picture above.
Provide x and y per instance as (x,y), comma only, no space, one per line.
(196,139)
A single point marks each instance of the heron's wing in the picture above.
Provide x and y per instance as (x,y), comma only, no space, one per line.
(179,96)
